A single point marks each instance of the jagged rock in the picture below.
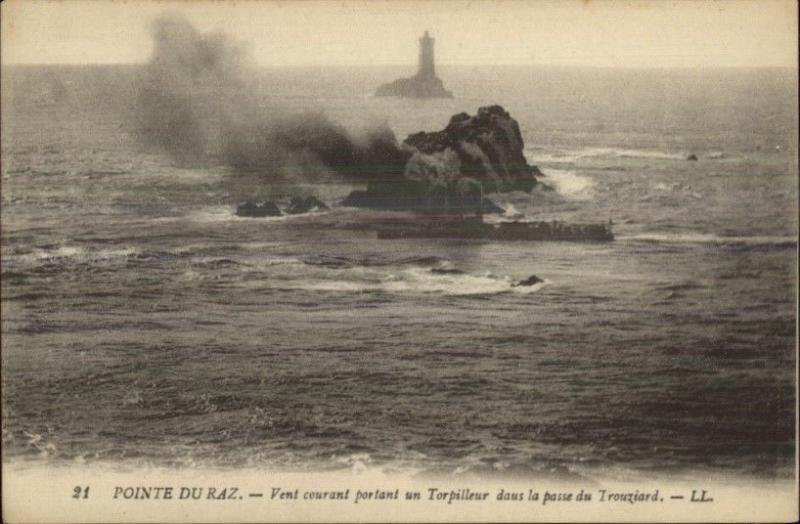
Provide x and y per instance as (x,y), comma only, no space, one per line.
(692,157)
(488,148)
(450,171)
(530,281)
(300,205)
(258,209)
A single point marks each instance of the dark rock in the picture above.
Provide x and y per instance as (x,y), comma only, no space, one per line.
(300,205)
(445,271)
(399,195)
(449,172)
(415,87)
(692,157)
(490,208)
(357,198)
(258,209)
(487,147)
(530,281)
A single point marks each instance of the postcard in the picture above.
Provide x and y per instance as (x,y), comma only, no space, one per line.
(457,261)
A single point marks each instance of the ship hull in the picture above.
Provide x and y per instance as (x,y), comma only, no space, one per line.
(529,231)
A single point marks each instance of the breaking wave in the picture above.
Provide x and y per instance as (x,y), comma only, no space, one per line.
(570,185)
(775,242)
(414,280)
(569,156)
(214,214)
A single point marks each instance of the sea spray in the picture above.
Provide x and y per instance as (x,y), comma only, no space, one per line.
(570,185)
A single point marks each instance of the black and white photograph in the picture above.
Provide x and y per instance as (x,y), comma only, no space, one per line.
(399,261)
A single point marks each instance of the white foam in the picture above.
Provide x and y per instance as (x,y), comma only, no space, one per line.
(706,238)
(512,211)
(631,153)
(570,185)
(214,214)
(416,280)
(73,253)
(569,156)
(60,252)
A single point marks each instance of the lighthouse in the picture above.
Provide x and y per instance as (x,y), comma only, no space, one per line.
(426,67)
(425,84)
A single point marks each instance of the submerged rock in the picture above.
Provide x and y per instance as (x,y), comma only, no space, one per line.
(300,205)
(692,157)
(258,209)
(530,281)
(446,271)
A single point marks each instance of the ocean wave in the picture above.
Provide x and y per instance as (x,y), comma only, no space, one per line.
(414,280)
(216,214)
(569,156)
(338,261)
(706,238)
(71,256)
(56,254)
(570,185)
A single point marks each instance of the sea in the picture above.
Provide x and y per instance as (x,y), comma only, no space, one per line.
(144,323)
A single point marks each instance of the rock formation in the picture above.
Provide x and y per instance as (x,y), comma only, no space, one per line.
(425,84)
(258,209)
(300,205)
(530,281)
(450,171)
(488,148)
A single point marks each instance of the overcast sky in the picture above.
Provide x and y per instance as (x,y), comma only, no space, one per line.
(657,33)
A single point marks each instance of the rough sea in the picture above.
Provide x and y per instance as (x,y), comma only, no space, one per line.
(143,322)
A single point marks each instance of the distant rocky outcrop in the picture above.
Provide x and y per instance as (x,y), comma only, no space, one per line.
(530,281)
(300,205)
(446,271)
(450,171)
(258,209)
(425,84)
(415,87)
(297,205)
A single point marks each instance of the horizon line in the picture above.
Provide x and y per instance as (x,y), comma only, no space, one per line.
(413,66)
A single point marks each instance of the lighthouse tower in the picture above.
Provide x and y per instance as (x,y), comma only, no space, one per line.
(425,84)
(426,68)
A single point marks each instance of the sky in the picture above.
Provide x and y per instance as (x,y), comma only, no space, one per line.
(602,33)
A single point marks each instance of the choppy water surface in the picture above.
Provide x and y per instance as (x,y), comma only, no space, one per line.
(143,321)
